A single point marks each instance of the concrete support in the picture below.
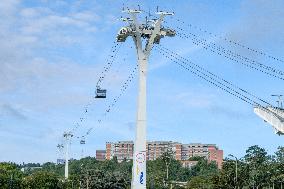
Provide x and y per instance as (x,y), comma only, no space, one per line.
(139,157)
(152,34)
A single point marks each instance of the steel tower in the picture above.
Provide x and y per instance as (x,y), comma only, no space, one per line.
(67,136)
(151,31)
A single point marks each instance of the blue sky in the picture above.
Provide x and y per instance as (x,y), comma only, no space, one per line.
(52,54)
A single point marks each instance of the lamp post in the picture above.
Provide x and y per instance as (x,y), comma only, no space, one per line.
(236,170)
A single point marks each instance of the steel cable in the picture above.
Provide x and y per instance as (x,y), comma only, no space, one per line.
(236,58)
(208,78)
(260,52)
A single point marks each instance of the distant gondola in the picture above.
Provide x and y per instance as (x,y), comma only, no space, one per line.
(82,141)
(100,93)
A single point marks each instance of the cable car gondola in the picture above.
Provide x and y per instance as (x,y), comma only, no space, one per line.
(82,141)
(100,93)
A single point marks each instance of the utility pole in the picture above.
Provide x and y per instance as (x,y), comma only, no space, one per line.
(236,170)
(67,136)
(152,34)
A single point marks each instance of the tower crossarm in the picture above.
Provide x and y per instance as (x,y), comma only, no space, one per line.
(153,33)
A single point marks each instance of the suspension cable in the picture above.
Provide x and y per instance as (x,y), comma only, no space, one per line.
(260,52)
(208,78)
(186,61)
(114,50)
(229,52)
(110,60)
(114,101)
(235,57)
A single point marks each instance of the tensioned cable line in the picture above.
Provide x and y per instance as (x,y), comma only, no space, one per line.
(230,53)
(166,53)
(212,45)
(226,89)
(209,78)
(210,73)
(260,52)
(123,88)
(114,101)
(235,57)
(206,79)
(109,64)
(110,60)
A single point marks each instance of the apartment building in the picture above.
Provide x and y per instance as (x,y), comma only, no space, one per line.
(209,151)
(123,150)
(100,155)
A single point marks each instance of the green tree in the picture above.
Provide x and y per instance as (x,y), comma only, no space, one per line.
(227,175)
(203,167)
(258,166)
(98,179)
(49,167)
(155,174)
(199,182)
(10,176)
(41,180)
(278,167)
(280,154)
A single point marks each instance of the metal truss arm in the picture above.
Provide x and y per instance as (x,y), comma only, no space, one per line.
(156,31)
(137,37)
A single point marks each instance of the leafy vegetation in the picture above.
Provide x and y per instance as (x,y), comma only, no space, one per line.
(256,169)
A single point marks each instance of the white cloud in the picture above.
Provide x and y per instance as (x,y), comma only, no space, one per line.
(36,28)
(51,22)
(29,13)
(10,111)
(86,16)
(33,80)
(7,7)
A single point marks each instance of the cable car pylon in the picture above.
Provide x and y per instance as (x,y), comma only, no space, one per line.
(152,34)
(82,142)
(67,136)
